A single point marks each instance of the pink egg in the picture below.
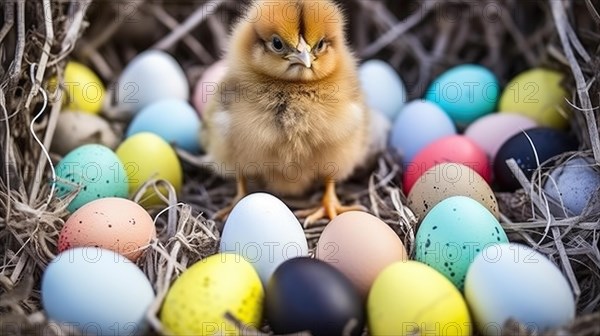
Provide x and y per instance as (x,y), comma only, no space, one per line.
(452,149)
(491,131)
(208,84)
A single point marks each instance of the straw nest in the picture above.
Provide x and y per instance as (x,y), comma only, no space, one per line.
(419,38)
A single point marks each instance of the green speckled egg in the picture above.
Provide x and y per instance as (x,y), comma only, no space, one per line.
(453,233)
(93,169)
(198,300)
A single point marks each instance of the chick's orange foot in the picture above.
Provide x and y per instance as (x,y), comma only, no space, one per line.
(241,192)
(330,207)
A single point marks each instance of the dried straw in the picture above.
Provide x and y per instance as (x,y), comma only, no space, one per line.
(419,38)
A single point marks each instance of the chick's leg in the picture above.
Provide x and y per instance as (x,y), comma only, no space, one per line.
(242,191)
(330,206)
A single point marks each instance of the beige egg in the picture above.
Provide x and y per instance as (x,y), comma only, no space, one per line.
(75,129)
(360,246)
(446,180)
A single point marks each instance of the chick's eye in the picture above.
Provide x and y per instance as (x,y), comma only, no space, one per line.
(321,45)
(276,43)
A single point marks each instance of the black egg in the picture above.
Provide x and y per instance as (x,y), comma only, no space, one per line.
(310,295)
(548,142)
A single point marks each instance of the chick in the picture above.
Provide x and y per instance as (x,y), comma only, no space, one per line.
(290,112)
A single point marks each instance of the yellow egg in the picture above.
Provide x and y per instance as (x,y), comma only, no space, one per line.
(82,90)
(198,300)
(411,297)
(147,156)
(537,94)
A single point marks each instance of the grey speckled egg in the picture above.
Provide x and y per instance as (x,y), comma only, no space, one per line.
(572,185)
(446,180)
(75,129)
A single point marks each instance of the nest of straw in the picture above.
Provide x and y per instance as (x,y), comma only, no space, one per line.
(419,38)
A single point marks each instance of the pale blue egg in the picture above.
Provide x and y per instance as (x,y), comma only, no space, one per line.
(93,169)
(97,291)
(453,233)
(418,124)
(174,120)
(466,92)
(383,88)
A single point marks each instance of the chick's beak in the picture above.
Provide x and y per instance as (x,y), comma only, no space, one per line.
(302,55)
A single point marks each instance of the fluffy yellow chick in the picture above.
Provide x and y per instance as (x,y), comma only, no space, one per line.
(290,112)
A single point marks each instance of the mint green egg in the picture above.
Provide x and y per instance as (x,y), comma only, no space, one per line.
(465,92)
(95,171)
(452,235)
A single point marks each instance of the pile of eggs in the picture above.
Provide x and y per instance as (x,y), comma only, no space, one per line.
(462,273)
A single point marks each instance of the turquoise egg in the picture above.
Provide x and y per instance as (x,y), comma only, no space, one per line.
(93,169)
(453,233)
(174,120)
(466,92)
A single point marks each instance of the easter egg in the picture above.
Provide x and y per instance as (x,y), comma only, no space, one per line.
(208,85)
(359,256)
(82,90)
(383,88)
(513,281)
(536,93)
(198,301)
(466,92)
(572,186)
(147,156)
(173,120)
(453,233)
(75,129)
(529,148)
(452,149)
(96,291)
(151,76)
(410,298)
(445,180)
(265,232)
(492,130)
(310,295)
(95,171)
(418,124)
(115,224)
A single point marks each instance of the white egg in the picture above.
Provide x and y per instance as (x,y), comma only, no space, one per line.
(96,291)
(572,185)
(151,76)
(514,281)
(265,232)
(383,88)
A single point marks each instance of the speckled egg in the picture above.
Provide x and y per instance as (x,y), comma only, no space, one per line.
(116,224)
(95,171)
(453,233)
(572,185)
(384,90)
(198,300)
(418,124)
(466,92)
(75,129)
(97,292)
(445,180)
